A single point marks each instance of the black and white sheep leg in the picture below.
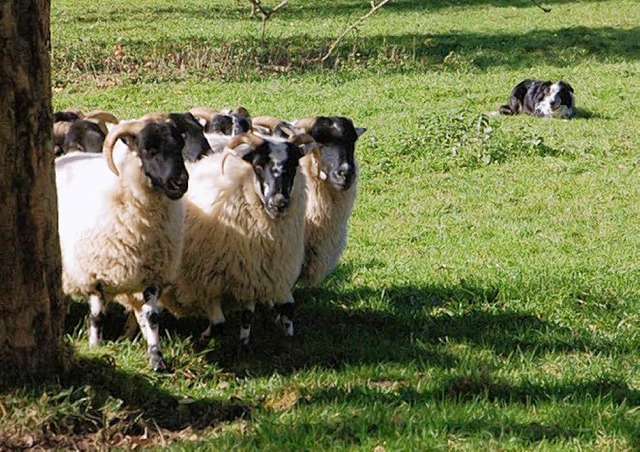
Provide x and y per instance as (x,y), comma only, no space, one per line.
(245,324)
(216,323)
(96,317)
(284,317)
(148,317)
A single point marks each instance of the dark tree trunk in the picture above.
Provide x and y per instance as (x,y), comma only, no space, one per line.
(31,301)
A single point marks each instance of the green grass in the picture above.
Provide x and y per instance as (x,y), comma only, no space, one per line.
(489,295)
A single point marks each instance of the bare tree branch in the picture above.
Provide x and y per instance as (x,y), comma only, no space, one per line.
(335,43)
(265,13)
(546,10)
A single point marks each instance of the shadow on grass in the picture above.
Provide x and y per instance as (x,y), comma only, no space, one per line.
(578,400)
(308,10)
(96,404)
(561,48)
(241,58)
(410,326)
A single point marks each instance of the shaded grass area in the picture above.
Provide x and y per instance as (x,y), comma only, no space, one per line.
(97,404)
(232,59)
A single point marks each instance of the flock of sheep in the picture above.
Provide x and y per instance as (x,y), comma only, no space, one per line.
(187,210)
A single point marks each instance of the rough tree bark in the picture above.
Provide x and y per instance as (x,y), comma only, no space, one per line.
(31,301)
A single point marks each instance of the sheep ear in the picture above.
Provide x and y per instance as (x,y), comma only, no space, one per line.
(360,131)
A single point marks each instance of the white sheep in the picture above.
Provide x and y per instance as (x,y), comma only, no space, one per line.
(244,232)
(121,225)
(331,174)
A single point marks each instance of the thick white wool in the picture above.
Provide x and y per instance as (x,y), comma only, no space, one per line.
(114,231)
(232,248)
(326,222)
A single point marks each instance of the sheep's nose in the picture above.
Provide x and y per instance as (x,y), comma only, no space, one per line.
(279,202)
(180,182)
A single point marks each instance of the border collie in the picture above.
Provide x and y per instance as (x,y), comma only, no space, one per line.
(538,98)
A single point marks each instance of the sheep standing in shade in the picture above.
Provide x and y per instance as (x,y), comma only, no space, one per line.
(244,232)
(331,174)
(121,225)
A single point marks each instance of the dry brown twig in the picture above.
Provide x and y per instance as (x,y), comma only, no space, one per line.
(339,39)
(265,13)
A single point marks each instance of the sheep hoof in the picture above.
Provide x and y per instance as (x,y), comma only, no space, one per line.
(156,360)
(158,364)
(244,348)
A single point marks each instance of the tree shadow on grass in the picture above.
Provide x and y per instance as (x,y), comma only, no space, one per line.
(237,58)
(96,404)
(333,332)
(578,399)
(561,48)
(308,10)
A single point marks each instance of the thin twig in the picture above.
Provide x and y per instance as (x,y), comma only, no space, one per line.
(266,13)
(546,10)
(335,43)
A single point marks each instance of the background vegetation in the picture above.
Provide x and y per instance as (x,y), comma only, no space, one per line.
(489,294)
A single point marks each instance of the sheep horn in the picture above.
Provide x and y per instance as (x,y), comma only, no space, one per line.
(300,139)
(100,115)
(131,128)
(305,124)
(245,138)
(155,117)
(268,122)
(100,118)
(242,112)
(205,113)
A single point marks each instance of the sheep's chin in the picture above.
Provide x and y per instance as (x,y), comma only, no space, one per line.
(273,214)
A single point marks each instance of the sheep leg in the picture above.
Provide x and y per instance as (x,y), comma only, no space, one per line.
(216,323)
(245,325)
(96,317)
(284,316)
(148,317)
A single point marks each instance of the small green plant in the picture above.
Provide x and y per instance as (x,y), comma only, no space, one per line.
(465,139)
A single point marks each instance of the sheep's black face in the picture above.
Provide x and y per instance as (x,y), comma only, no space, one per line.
(337,137)
(241,123)
(196,145)
(160,149)
(222,124)
(275,165)
(85,136)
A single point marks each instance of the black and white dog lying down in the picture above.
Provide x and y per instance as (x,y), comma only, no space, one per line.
(541,98)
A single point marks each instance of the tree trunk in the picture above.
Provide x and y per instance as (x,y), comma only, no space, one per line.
(31,302)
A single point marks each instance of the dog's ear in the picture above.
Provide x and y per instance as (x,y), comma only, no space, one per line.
(566,85)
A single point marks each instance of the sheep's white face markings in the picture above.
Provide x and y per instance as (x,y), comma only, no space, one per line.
(275,170)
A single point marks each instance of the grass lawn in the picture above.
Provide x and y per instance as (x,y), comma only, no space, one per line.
(489,295)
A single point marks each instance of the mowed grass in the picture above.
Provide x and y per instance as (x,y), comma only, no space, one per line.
(488,296)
